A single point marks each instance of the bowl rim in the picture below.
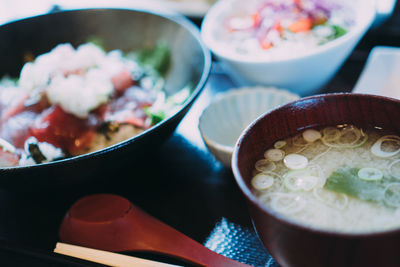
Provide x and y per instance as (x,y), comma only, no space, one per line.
(282,219)
(237,92)
(216,47)
(174,17)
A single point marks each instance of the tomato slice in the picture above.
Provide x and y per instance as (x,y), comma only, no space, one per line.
(301,25)
(63,130)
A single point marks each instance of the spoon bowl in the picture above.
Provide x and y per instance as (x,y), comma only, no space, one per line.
(110,222)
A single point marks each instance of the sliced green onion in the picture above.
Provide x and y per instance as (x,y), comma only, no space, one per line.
(300,180)
(354,133)
(357,138)
(295,161)
(317,171)
(280,144)
(274,154)
(291,180)
(392,195)
(262,181)
(390,169)
(321,154)
(6,146)
(287,203)
(370,174)
(298,140)
(311,135)
(332,199)
(330,134)
(376,148)
(264,165)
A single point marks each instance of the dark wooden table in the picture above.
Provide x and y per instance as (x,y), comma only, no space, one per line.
(182,185)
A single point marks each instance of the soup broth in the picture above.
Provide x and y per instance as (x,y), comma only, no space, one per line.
(340,178)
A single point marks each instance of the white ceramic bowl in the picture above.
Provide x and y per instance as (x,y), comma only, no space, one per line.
(224,119)
(304,73)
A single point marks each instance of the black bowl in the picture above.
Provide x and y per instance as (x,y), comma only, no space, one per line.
(123,29)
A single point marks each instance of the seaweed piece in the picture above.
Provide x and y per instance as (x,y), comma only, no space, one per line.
(345,180)
(108,127)
(35,153)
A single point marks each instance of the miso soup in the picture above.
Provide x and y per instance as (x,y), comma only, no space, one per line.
(340,178)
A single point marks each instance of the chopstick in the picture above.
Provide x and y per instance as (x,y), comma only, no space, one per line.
(105,257)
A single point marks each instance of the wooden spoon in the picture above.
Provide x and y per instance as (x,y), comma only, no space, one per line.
(112,223)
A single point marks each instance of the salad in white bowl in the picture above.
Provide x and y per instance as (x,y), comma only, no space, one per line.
(295,44)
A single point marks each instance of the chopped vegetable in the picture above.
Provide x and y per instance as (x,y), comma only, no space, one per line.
(311,135)
(301,25)
(295,161)
(298,140)
(339,31)
(287,203)
(390,169)
(330,134)
(274,154)
(333,199)
(262,181)
(300,180)
(392,195)
(264,165)
(394,148)
(321,154)
(280,144)
(370,174)
(165,106)
(348,137)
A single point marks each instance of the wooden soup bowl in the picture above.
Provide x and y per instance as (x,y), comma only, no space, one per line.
(292,244)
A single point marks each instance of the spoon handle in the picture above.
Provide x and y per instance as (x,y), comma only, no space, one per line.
(168,241)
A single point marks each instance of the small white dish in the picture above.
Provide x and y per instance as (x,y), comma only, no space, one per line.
(380,75)
(224,119)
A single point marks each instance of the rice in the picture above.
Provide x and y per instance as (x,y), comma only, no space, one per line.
(76,93)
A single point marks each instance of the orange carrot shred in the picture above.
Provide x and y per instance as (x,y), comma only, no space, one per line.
(301,25)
